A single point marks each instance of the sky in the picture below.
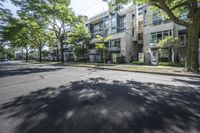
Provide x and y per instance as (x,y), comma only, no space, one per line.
(80,7)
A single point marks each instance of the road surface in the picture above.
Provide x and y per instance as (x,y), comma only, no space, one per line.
(64,99)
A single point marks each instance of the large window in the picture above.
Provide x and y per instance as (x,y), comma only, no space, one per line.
(122,23)
(156,37)
(106,22)
(133,24)
(157,19)
(115,43)
(182,36)
(106,26)
(140,36)
(182,39)
(114,24)
(140,10)
(98,28)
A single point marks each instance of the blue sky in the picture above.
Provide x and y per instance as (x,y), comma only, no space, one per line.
(80,7)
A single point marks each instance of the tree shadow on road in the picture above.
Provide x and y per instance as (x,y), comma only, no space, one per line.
(24,71)
(97,105)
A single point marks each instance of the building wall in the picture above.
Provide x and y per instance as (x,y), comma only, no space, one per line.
(126,43)
(150,28)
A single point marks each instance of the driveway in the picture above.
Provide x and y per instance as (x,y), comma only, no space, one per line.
(64,99)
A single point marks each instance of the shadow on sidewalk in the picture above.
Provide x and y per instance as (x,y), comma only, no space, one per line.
(97,105)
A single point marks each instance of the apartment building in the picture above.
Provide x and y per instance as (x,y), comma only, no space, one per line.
(135,32)
(55,54)
(157,28)
(121,26)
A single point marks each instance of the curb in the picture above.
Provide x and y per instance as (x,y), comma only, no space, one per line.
(159,73)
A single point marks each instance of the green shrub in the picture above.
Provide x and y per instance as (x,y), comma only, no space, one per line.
(120,59)
(170,64)
(164,59)
(139,63)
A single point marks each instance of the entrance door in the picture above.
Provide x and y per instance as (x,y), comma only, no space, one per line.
(154,57)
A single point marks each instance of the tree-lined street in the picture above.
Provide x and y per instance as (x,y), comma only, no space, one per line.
(51,98)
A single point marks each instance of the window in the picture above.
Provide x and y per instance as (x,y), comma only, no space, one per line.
(167,33)
(153,38)
(106,26)
(133,24)
(159,36)
(98,28)
(115,43)
(164,53)
(106,22)
(182,35)
(133,21)
(122,23)
(140,10)
(156,37)
(156,18)
(182,39)
(106,32)
(140,36)
(114,23)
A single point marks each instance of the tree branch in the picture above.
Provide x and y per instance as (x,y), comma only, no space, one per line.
(179,5)
(171,15)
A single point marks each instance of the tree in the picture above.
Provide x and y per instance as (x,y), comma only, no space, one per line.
(55,13)
(100,46)
(80,37)
(80,33)
(2,51)
(5,16)
(168,43)
(37,36)
(174,9)
(80,51)
(16,35)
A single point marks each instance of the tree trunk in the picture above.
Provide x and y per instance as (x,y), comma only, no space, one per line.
(40,55)
(62,51)
(191,64)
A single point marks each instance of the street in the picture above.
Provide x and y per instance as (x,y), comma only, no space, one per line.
(39,98)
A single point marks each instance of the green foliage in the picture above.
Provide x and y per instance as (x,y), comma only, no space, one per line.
(100,46)
(79,51)
(173,9)
(2,51)
(168,42)
(138,63)
(170,64)
(120,59)
(79,33)
(8,53)
(53,15)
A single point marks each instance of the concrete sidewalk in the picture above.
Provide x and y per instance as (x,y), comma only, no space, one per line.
(164,70)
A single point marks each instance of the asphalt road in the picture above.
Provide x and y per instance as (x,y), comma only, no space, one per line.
(64,99)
